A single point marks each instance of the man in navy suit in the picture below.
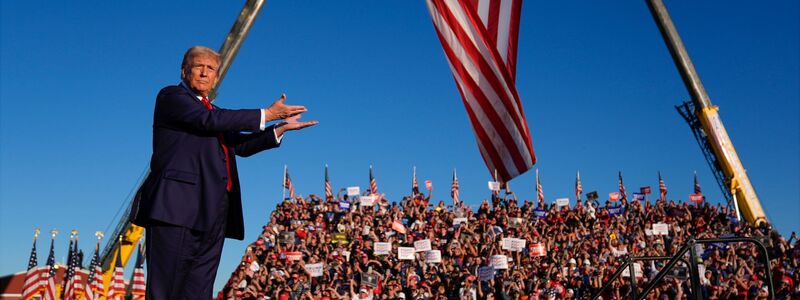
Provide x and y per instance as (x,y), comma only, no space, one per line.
(191,199)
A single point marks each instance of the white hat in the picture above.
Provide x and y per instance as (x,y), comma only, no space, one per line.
(572,261)
(586,262)
(401,295)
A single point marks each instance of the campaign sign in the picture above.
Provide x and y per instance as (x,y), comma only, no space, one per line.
(353,191)
(382,248)
(457,221)
(370,279)
(592,195)
(613,196)
(422,245)
(485,273)
(660,229)
(645,190)
(429,184)
(287,237)
(515,222)
(405,253)
(696,198)
(499,262)
(615,211)
(538,250)
(638,196)
(540,213)
(562,202)
(344,205)
(367,200)
(513,244)
(433,257)
(637,269)
(494,186)
(397,226)
(294,256)
(314,270)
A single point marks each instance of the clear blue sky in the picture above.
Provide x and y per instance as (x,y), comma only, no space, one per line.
(79,80)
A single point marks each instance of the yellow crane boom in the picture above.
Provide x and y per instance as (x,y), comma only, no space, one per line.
(703,117)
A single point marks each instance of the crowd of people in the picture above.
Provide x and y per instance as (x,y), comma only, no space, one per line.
(568,252)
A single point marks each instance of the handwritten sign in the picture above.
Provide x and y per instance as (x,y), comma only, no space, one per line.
(405,253)
(486,273)
(294,256)
(422,245)
(696,198)
(494,186)
(399,227)
(499,262)
(562,202)
(382,248)
(538,250)
(660,229)
(353,191)
(314,270)
(513,244)
(433,257)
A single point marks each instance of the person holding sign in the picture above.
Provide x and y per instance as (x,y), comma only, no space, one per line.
(191,199)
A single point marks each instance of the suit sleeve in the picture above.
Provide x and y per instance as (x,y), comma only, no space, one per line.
(248,144)
(176,108)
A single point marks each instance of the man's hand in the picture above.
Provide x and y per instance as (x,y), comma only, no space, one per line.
(278,110)
(292,123)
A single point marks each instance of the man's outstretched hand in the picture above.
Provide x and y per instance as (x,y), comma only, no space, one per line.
(279,110)
(292,123)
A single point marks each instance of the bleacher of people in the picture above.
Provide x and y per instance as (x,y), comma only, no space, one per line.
(314,248)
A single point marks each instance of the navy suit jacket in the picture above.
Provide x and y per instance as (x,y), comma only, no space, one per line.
(186,184)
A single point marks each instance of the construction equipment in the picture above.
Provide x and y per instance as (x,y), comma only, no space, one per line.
(131,234)
(703,118)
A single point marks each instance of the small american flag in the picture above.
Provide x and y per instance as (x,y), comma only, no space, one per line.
(578,186)
(328,188)
(662,188)
(373,185)
(49,278)
(116,289)
(139,286)
(623,195)
(454,188)
(414,185)
(697,189)
(287,183)
(539,191)
(33,284)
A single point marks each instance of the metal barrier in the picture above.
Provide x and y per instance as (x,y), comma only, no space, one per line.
(694,275)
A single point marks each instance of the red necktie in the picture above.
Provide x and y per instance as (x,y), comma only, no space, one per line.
(221,139)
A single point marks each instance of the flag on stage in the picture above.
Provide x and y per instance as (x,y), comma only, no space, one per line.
(287,183)
(49,277)
(578,186)
(373,185)
(139,287)
(539,191)
(697,189)
(328,188)
(479,38)
(622,194)
(414,184)
(33,283)
(116,288)
(662,188)
(94,282)
(454,188)
(67,284)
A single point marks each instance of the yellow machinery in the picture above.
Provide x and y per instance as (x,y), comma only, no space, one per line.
(127,235)
(703,118)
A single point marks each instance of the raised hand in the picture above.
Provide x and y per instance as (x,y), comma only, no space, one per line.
(292,123)
(279,110)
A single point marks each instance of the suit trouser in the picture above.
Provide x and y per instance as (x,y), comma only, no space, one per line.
(181,262)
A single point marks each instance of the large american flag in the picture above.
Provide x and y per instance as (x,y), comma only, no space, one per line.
(479,38)
(116,288)
(539,191)
(622,194)
(578,186)
(287,183)
(454,189)
(94,282)
(33,283)
(373,185)
(139,287)
(328,188)
(662,188)
(49,277)
(67,288)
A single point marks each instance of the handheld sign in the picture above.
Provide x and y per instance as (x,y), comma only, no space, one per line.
(433,257)
(696,198)
(370,279)
(592,195)
(660,229)
(405,253)
(513,244)
(429,184)
(538,250)
(562,202)
(457,221)
(637,270)
(540,213)
(344,205)
(615,211)
(314,270)
(382,248)
(399,227)
(645,190)
(353,191)
(638,196)
(515,222)
(485,273)
(422,245)
(499,262)
(367,200)
(294,256)
(613,196)
(494,186)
